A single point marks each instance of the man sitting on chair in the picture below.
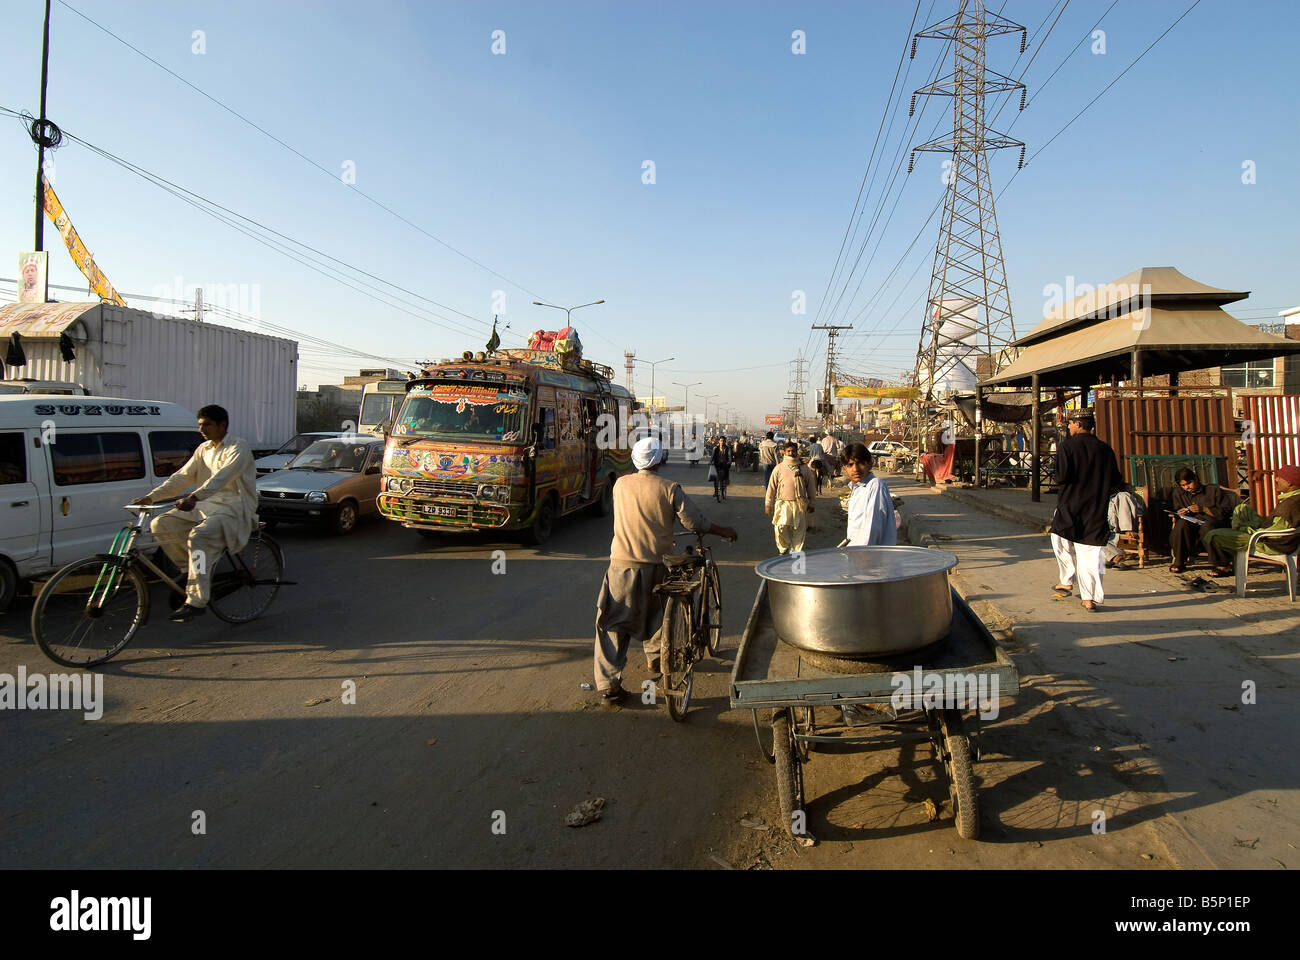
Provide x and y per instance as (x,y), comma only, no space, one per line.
(1224,544)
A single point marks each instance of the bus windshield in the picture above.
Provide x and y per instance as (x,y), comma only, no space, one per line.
(462,411)
(376,408)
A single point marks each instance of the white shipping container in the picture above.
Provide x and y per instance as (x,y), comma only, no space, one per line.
(134,354)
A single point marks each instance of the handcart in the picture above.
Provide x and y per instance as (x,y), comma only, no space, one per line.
(806,692)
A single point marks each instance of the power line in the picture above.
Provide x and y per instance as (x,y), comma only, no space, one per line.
(329,173)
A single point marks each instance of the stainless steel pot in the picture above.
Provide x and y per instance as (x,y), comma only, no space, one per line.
(860,601)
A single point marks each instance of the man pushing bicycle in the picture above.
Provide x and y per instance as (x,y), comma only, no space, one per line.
(645,506)
(218,514)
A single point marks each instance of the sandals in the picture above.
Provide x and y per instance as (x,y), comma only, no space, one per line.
(1061,590)
(1090,606)
(1177,569)
(614,694)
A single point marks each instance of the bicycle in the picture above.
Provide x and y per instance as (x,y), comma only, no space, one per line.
(87,612)
(692,621)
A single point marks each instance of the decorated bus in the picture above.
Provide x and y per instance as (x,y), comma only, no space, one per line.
(507,441)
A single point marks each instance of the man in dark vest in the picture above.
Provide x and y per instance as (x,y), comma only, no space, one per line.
(1086,474)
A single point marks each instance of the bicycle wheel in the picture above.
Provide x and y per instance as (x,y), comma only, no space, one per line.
(712,624)
(88,611)
(243,588)
(675,657)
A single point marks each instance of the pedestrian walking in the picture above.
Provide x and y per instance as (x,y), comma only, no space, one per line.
(768,454)
(627,609)
(1086,473)
(720,469)
(791,500)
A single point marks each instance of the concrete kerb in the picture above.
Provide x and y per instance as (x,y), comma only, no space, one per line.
(1000,624)
(1022,517)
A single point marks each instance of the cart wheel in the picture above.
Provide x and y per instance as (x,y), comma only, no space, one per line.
(961,787)
(789,777)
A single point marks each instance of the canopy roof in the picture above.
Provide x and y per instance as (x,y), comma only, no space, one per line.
(40,319)
(1172,339)
(1163,286)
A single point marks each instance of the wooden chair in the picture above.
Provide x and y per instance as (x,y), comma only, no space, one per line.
(1286,560)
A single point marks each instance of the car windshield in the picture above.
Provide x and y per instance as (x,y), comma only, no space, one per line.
(331,455)
(462,411)
(298,444)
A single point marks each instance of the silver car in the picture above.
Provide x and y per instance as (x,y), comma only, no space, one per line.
(333,482)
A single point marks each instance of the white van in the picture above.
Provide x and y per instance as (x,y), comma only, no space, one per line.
(67,467)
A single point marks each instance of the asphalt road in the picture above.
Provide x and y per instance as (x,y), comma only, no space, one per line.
(470,738)
(469,720)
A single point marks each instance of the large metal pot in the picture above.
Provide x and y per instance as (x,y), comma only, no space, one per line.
(860,601)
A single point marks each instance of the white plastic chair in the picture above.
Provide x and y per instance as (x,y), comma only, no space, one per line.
(1287,560)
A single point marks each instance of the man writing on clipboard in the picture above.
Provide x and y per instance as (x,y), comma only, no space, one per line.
(1198,509)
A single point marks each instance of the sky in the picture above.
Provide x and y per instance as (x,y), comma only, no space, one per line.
(516,166)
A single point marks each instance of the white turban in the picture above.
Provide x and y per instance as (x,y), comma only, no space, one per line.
(646,453)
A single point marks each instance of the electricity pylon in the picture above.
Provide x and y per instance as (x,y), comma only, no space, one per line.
(968,310)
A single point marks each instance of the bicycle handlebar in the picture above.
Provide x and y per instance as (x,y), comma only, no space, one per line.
(166,504)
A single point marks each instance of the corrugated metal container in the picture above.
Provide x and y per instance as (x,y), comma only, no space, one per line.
(1275,422)
(1134,423)
(134,354)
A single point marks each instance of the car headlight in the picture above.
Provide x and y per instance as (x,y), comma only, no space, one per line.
(317,496)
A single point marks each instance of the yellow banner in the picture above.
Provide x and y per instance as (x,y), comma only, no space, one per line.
(80,255)
(846,392)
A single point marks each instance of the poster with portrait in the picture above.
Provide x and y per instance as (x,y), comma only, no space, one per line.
(32,277)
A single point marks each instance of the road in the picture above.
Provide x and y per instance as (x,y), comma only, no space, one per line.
(469,719)
(470,738)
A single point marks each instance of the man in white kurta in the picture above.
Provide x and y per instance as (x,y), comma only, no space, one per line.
(219,513)
(871,507)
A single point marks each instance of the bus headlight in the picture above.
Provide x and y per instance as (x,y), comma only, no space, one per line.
(503,494)
(487,491)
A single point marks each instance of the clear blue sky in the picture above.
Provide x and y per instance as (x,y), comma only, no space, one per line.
(531,163)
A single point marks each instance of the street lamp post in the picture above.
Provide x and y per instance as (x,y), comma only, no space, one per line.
(688,386)
(706,398)
(652,378)
(567,310)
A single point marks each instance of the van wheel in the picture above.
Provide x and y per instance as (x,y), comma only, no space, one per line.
(345,521)
(8,584)
(605,505)
(543,523)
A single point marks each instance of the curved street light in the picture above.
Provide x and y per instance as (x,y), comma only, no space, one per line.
(652,379)
(567,310)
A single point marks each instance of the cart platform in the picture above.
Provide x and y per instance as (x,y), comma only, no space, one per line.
(770,673)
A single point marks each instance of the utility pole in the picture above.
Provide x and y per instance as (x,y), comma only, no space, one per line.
(968,330)
(198,304)
(39,134)
(826,406)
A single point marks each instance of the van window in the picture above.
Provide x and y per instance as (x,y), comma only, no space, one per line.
(171,449)
(13,458)
(96,458)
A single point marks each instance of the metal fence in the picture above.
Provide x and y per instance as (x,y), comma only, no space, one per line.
(1271,436)
(1136,421)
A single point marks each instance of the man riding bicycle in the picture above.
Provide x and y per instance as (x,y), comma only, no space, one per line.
(218,514)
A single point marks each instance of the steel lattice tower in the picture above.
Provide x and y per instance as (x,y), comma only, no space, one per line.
(968,310)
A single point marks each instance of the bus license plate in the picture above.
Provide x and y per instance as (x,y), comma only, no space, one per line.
(438,510)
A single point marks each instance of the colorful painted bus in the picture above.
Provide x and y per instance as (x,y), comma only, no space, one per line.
(511,441)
